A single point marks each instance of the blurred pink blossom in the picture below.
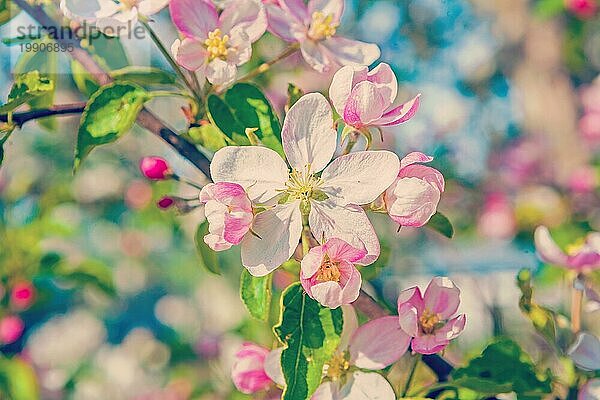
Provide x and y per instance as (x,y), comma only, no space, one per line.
(582,8)
(155,168)
(498,219)
(580,257)
(22,295)
(583,180)
(11,329)
(429,319)
(256,368)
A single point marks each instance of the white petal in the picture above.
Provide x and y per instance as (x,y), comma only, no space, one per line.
(326,391)
(260,171)
(88,10)
(349,223)
(316,55)
(308,136)
(249,15)
(219,72)
(378,343)
(585,352)
(349,52)
(359,178)
(367,386)
(279,230)
(350,326)
(150,7)
(343,82)
(273,366)
(189,53)
(590,391)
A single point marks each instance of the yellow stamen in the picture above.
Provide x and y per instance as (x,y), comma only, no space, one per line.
(129,4)
(217,45)
(428,321)
(322,26)
(337,366)
(328,271)
(302,185)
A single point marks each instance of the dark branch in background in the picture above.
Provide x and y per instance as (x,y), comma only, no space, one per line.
(146,118)
(21,118)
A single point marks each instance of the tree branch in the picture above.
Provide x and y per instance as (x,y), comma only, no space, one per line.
(146,118)
(21,118)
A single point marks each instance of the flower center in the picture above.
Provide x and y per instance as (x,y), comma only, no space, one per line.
(337,366)
(217,45)
(303,185)
(428,321)
(328,271)
(322,26)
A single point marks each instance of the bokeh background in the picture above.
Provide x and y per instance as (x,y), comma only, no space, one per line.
(123,309)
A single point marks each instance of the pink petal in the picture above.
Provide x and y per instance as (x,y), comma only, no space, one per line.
(189,53)
(273,366)
(411,201)
(413,158)
(334,8)
(413,297)
(328,294)
(248,372)
(348,52)
(249,15)
(425,173)
(236,226)
(584,259)
(409,319)
(378,343)
(365,104)
(428,344)
(366,386)
(297,9)
(311,262)
(400,114)
(547,248)
(386,81)
(351,289)
(452,329)
(442,297)
(326,391)
(339,250)
(194,18)
(343,81)
(590,391)
(220,72)
(350,326)
(284,25)
(585,352)
(316,55)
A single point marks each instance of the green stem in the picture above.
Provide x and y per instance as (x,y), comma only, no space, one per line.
(411,374)
(169,93)
(305,235)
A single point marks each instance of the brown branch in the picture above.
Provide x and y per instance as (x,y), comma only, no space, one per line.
(146,118)
(21,118)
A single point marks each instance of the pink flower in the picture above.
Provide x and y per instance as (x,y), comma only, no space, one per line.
(21,295)
(155,168)
(590,390)
(429,319)
(314,26)
(365,98)
(256,368)
(229,214)
(11,329)
(166,203)
(413,198)
(214,44)
(373,346)
(583,180)
(582,8)
(328,274)
(498,219)
(579,257)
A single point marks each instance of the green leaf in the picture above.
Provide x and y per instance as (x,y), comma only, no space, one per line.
(26,87)
(89,272)
(83,79)
(501,368)
(208,257)
(440,223)
(108,115)
(208,136)
(144,76)
(18,380)
(310,334)
(245,106)
(549,8)
(543,319)
(294,94)
(256,294)
(8,10)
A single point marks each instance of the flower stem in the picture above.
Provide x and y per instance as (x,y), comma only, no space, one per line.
(186,181)
(411,375)
(305,235)
(576,303)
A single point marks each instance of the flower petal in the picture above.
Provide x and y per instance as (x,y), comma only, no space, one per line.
(316,55)
(343,82)
(360,177)
(412,201)
(88,10)
(311,262)
(220,72)
(308,136)
(328,294)
(442,297)
(348,52)
(351,289)
(350,326)
(426,173)
(273,366)
(590,391)
(386,81)
(428,344)
(378,343)
(259,170)
(279,229)
(335,8)
(326,391)
(349,223)
(151,7)
(366,386)
(365,105)
(408,316)
(547,248)
(413,158)
(413,297)
(585,352)
(249,15)
(400,114)
(284,25)
(189,53)
(452,329)
(297,9)
(339,250)
(194,18)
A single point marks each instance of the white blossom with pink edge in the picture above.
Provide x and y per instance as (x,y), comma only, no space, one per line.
(365,98)
(415,194)
(314,27)
(373,346)
(429,318)
(228,211)
(585,353)
(334,198)
(256,368)
(328,275)
(216,44)
(579,258)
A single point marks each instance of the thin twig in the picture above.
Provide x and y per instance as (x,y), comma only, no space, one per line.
(21,118)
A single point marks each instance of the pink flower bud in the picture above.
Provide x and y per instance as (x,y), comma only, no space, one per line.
(248,371)
(165,203)
(155,168)
(11,329)
(414,196)
(22,295)
(582,8)
(328,274)
(229,213)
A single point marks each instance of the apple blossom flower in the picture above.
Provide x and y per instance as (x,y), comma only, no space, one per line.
(330,201)
(314,27)
(256,368)
(228,211)
(373,346)
(155,168)
(429,319)
(585,352)
(580,257)
(22,294)
(11,329)
(582,8)
(414,196)
(328,275)
(214,44)
(112,18)
(365,98)
(590,390)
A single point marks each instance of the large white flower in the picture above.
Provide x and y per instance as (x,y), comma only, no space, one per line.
(333,192)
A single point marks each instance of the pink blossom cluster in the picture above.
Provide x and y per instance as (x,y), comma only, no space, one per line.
(21,296)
